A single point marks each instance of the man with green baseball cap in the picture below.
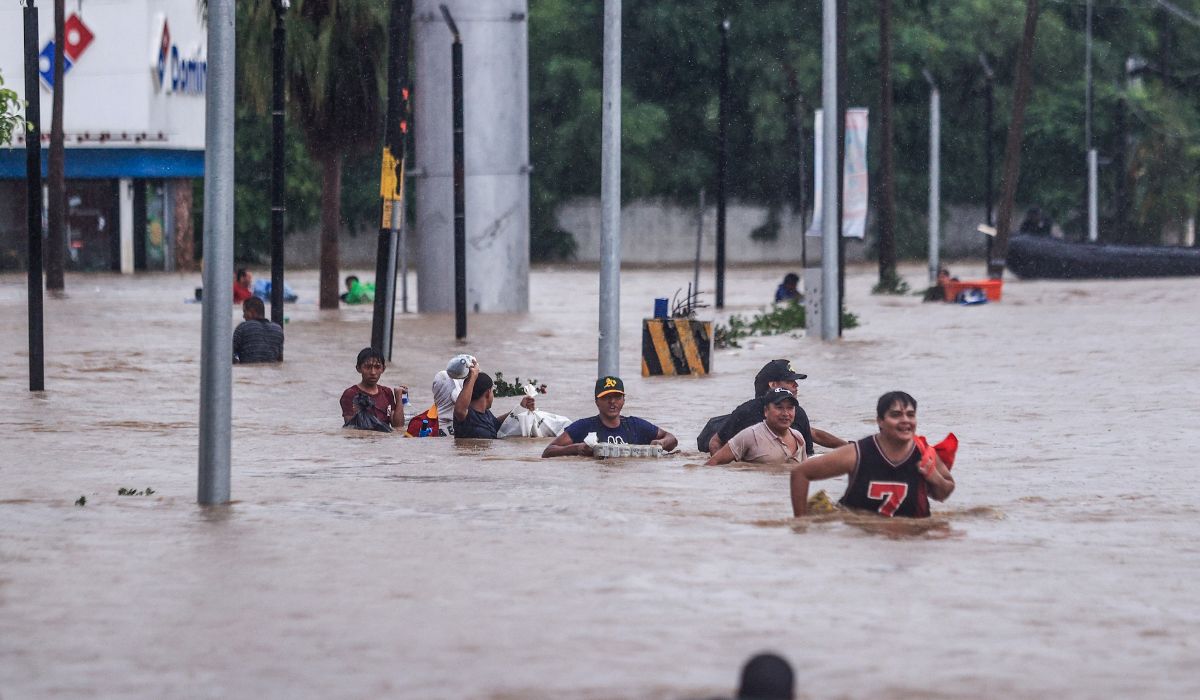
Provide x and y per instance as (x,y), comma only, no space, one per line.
(610,399)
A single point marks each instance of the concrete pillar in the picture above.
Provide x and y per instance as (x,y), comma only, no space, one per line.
(496,145)
(125,223)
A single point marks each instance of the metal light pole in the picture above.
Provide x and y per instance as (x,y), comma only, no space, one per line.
(460,207)
(610,194)
(278,116)
(722,158)
(33,197)
(1092,160)
(830,187)
(216,365)
(935,176)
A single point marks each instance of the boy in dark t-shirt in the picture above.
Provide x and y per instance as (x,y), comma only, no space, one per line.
(473,417)
(610,399)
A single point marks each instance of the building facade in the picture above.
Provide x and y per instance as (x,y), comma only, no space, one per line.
(133,122)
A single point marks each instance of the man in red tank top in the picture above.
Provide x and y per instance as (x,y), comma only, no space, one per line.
(889,473)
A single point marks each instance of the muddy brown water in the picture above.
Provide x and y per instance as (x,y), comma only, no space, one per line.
(365,565)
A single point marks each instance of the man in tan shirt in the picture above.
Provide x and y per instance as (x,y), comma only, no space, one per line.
(772,441)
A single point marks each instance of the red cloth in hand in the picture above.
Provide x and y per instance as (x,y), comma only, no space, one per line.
(947,449)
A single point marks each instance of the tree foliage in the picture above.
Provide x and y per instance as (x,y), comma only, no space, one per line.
(10,119)
(1145,126)
(670,54)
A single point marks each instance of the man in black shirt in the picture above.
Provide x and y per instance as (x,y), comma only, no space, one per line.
(776,373)
(473,417)
(257,339)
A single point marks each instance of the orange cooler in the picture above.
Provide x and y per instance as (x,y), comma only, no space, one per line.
(991,288)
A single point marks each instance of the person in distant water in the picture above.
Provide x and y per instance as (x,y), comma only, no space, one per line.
(243,286)
(893,473)
(610,400)
(766,676)
(774,374)
(385,403)
(773,440)
(256,339)
(351,280)
(473,417)
(787,290)
(1035,223)
(938,291)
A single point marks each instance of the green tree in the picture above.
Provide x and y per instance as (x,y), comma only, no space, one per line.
(10,119)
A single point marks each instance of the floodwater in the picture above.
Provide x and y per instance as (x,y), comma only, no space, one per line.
(367,565)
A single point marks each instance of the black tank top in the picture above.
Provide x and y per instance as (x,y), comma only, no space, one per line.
(888,488)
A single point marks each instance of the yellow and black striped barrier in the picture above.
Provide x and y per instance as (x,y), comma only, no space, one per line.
(676,346)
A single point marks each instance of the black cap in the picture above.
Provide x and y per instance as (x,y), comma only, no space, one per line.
(779,395)
(775,371)
(609,385)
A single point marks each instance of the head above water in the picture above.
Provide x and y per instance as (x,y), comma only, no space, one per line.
(253,308)
(607,386)
(767,677)
(243,277)
(790,280)
(367,354)
(483,384)
(775,371)
(891,398)
(350,280)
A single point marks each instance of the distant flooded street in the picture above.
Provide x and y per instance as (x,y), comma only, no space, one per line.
(357,565)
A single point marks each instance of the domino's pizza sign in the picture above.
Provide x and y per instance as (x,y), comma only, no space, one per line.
(77,37)
(174,70)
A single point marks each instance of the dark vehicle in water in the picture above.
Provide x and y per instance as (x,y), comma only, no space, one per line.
(1039,257)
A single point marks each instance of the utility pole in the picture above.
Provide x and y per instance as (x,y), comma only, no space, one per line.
(935,176)
(33,198)
(610,194)
(57,210)
(278,122)
(460,206)
(831,188)
(216,365)
(391,187)
(1092,159)
(722,157)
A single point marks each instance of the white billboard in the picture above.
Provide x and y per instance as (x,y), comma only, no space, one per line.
(135,71)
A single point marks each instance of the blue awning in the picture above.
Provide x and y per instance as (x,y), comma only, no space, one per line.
(105,163)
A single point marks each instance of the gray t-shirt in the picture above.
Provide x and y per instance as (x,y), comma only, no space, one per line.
(478,424)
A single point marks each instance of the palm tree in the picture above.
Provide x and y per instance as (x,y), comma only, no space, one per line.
(888,281)
(335,72)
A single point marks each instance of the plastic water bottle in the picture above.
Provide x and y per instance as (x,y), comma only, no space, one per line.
(404,398)
(425,431)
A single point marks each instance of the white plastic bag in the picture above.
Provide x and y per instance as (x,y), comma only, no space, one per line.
(525,423)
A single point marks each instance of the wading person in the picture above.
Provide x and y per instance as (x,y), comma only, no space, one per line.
(893,473)
(257,339)
(473,417)
(773,375)
(608,422)
(370,405)
(243,285)
(772,440)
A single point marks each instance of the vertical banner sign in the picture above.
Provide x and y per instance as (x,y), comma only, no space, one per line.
(855,186)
